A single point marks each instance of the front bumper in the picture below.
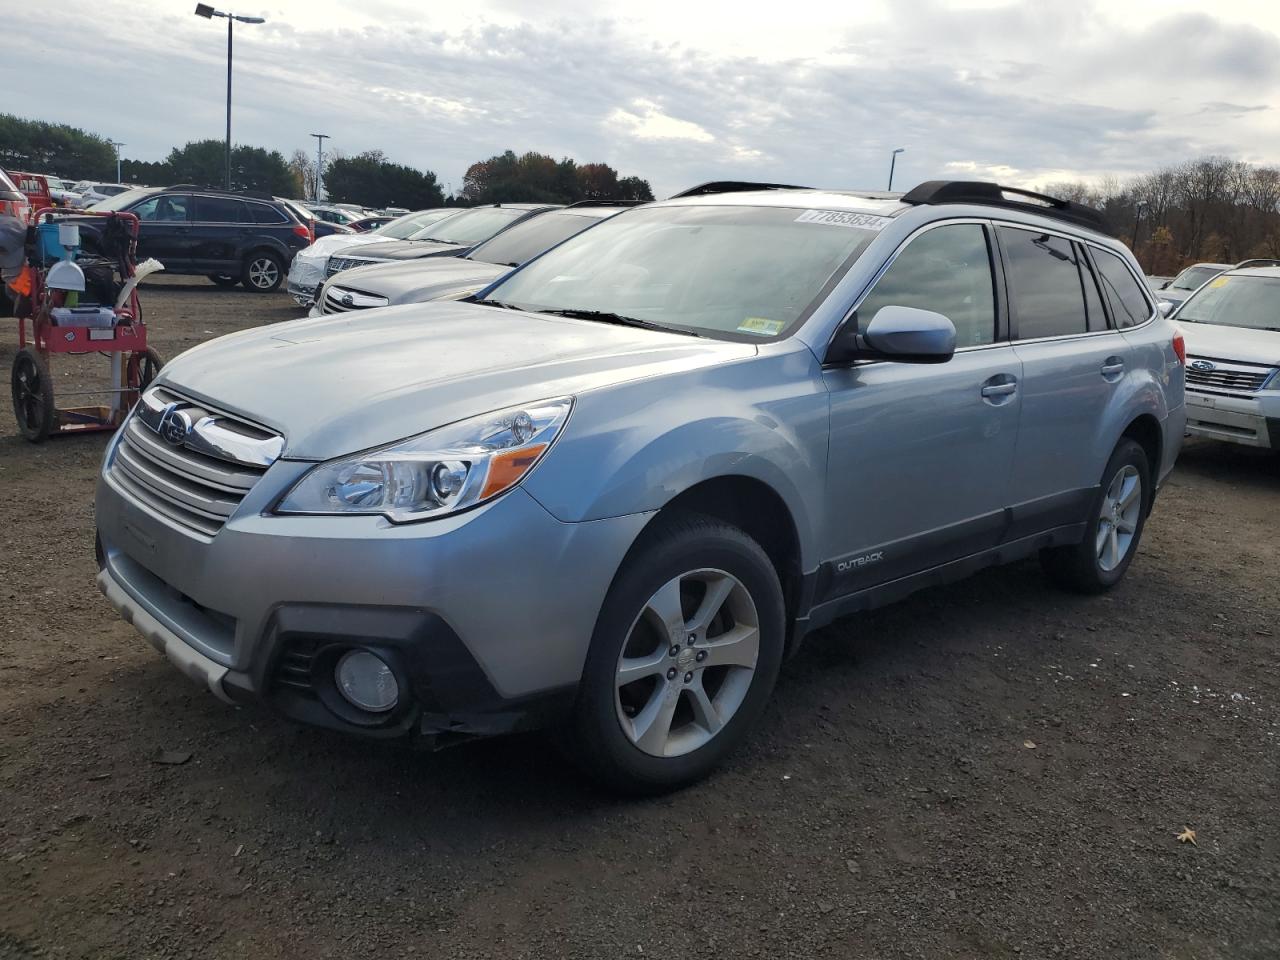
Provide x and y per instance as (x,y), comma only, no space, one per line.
(1253,422)
(305,276)
(486,615)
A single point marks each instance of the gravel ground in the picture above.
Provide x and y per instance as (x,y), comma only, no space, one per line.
(993,769)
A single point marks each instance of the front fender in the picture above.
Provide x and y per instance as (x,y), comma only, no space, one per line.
(633,447)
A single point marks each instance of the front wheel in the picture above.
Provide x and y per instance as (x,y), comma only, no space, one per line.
(684,656)
(263,272)
(1117,519)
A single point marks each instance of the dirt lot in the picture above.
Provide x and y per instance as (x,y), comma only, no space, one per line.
(995,769)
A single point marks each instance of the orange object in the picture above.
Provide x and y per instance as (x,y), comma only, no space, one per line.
(505,469)
(21,284)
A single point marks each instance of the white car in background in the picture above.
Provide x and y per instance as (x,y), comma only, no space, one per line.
(1232,331)
(309,267)
(97,192)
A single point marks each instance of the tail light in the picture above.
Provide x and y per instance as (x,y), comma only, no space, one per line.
(1179,346)
(16,208)
(303,231)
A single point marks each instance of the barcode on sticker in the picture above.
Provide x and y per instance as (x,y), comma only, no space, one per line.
(844,218)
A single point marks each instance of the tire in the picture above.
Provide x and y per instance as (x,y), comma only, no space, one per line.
(224,280)
(1092,566)
(142,368)
(263,272)
(32,389)
(708,705)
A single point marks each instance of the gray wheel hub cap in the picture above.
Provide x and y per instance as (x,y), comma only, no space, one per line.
(1118,522)
(687,663)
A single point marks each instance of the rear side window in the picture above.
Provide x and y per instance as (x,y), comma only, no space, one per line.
(219,210)
(262,213)
(1129,305)
(947,270)
(1044,284)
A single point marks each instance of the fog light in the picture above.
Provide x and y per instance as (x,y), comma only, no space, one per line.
(366,681)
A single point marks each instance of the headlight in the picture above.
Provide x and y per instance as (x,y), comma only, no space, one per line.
(1273,383)
(437,473)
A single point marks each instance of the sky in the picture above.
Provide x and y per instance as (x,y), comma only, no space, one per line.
(676,92)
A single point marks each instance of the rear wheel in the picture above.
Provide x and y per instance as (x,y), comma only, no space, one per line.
(1118,516)
(684,657)
(263,272)
(32,395)
(224,280)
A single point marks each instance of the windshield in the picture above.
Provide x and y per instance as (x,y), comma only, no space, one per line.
(122,200)
(6,183)
(405,227)
(470,227)
(744,272)
(1236,301)
(1192,277)
(526,240)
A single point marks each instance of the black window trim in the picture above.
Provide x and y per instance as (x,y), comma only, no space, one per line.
(997,279)
(1013,313)
(1085,256)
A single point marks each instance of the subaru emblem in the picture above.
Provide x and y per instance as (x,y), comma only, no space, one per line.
(1204,366)
(348,299)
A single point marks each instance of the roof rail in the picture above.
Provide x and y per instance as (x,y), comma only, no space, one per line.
(733,186)
(985,193)
(1256,262)
(604,203)
(253,194)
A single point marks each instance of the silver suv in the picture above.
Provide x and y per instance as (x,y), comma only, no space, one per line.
(614,490)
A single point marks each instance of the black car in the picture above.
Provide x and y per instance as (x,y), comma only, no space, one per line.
(229,236)
(451,237)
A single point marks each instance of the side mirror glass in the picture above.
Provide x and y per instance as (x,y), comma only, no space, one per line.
(900,334)
(1165,308)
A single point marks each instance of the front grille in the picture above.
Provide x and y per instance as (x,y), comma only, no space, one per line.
(345,299)
(338,264)
(1226,377)
(189,463)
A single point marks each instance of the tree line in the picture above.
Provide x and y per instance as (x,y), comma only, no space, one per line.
(367,178)
(1211,209)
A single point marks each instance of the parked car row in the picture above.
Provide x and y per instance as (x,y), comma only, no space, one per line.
(610,492)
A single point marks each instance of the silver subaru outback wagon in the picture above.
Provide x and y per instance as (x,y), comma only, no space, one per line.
(611,492)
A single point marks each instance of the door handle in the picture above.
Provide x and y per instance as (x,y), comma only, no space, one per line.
(1112,368)
(1000,389)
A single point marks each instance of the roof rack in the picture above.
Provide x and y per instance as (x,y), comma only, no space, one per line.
(1256,262)
(989,194)
(733,186)
(253,194)
(604,203)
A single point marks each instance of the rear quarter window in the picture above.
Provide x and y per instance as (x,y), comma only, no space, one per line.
(1129,304)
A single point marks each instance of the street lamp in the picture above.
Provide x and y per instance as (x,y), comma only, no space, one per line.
(1137,216)
(893,159)
(117,144)
(206,11)
(320,139)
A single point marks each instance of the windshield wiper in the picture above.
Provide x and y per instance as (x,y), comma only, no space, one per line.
(493,303)
(604,316)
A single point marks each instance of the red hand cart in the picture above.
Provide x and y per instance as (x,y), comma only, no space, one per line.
(133,365)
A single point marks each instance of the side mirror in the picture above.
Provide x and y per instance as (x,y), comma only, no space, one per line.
(1165,308)
(899,334)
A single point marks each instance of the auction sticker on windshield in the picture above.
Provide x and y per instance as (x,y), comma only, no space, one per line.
(845,218)
(761,326)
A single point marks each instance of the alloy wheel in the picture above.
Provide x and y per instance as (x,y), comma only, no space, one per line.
(687,663)
(1118,522)
(263,273)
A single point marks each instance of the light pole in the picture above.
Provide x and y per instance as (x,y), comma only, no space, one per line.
(320,139)
(206,11)
(1137,216)
(893,159)
(117,144)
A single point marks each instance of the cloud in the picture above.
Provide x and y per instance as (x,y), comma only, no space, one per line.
(648,122)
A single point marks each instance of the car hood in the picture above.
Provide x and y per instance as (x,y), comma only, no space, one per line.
(327,246)
(352,381)
(410,249)
(1219,342)
(413,281)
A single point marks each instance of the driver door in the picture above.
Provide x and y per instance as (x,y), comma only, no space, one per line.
(164,230)
(921,455)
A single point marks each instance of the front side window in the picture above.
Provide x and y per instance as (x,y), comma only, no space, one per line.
(1236,300)
(165,208)
(219,210)
(743,272)
(1044,284)
(946,270)
(1129,305)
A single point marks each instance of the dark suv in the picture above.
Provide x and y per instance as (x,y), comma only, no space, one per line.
(230,237)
